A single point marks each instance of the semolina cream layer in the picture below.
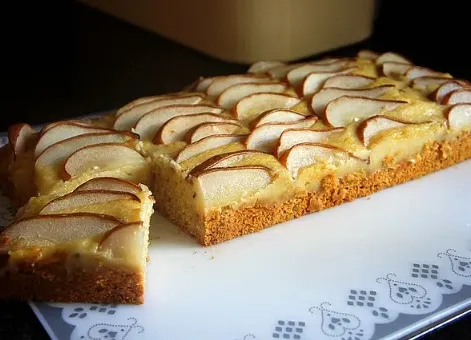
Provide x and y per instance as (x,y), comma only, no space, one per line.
(83,254)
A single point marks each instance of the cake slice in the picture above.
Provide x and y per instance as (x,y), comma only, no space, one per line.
(82,227)
(89,245)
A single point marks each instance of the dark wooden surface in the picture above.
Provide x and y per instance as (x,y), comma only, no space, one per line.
(61,60)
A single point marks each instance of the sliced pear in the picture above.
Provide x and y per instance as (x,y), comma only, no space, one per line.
(263,66)
(84,198)
(444,89)
(404,143)
(175,129)
(110,184)
(394,69)
(460,96)
(151,122)
(278,116)
(253,105)
(229,97)
(127,241)
(221,186)
(63,131)
(344,110)
(264,137)
(464,82)
(348,81)
(313,81)
(419,71)
(459,117)
(74,121)
(367,54)
(374,125)
(207,143)
(291,137)
(20,137)
(280,72)
(135,102)
(143,100)
(209,129)
(203,84)
(129,118)
(98,157)
(323,97)
(221,83)
(59,151)
(308,154)
(225,160)
(296,75)
(391,57)
(428,83)
(51,230)
(330,60)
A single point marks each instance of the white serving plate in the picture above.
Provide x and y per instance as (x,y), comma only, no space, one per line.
(388,266)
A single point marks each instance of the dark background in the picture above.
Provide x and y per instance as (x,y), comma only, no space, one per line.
(60,59)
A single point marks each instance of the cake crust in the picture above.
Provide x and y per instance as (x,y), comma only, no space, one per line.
(55,281)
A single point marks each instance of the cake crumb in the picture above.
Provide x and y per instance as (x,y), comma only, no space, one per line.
(212,258)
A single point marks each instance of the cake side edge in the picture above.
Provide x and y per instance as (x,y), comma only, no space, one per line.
(227,223)
(55,282)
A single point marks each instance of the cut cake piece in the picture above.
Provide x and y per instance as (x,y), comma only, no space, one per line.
(232,155)
(85,246)
(82,228)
